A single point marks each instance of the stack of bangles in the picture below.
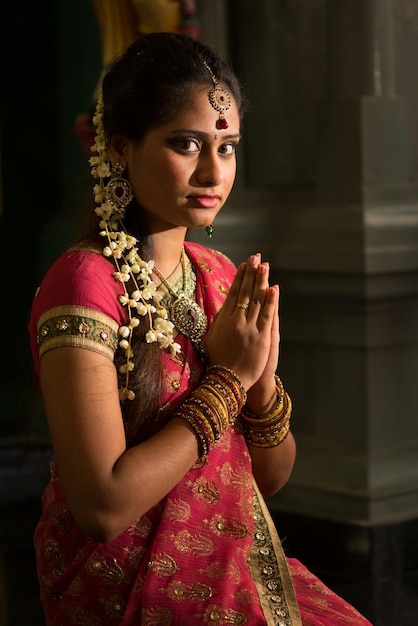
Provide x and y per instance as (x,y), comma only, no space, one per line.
(269,429)
(213,406)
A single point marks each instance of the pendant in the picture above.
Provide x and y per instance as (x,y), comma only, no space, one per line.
(189,318)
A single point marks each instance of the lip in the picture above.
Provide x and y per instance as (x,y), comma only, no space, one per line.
(206,201)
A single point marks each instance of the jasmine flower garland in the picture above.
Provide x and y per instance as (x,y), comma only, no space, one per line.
(144,299)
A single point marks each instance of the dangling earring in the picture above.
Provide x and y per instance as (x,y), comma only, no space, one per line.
(209,230)
(118,190)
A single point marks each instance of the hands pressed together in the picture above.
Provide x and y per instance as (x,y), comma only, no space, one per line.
(244,335)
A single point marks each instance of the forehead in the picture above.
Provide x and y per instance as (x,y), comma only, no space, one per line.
(198,106)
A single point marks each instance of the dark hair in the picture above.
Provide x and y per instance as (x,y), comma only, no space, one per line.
(146,86)
(155,78)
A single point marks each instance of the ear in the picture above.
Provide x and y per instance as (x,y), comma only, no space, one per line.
(117,149)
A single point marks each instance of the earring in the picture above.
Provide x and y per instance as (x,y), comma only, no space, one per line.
(118,190)
(209,230)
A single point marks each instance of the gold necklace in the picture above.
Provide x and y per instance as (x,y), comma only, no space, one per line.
(185,313)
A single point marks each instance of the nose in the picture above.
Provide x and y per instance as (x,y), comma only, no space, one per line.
(210,168)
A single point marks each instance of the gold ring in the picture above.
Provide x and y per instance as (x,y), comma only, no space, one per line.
(241,305)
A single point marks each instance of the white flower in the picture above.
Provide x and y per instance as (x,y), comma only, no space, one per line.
(150,337)
(126,367)
(123,299)
(141,308)
(130,268)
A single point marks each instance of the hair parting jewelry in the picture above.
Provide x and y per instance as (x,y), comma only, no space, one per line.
(269,429)
(142,298)
(219,99)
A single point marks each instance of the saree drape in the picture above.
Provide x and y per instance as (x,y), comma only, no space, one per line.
(208,553)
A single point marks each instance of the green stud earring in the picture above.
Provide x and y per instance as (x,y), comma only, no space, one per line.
(209,230)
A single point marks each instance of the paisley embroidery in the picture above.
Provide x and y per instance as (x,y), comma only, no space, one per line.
(114,606)
(55,560)
(222,617)
(142,527)
(163,565)
(204,490)
(219,525)
(197,545)
(178,510)
(110,572)
(157,616)
(179,591)
(221,569)
(135,555)
(238,476)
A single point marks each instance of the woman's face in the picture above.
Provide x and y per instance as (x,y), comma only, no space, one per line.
(183,171)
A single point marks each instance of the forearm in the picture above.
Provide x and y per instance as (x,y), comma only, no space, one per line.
(266,422)
(272,467)
(150,471)
(104,505)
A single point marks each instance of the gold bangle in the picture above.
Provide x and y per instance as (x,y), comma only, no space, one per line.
(280,394)
(231,378)
(268,435)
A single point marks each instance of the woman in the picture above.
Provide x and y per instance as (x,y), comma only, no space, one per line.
(157,360)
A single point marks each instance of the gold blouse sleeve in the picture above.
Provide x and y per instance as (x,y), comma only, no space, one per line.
(79,327)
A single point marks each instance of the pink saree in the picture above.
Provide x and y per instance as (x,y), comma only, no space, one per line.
(208,553)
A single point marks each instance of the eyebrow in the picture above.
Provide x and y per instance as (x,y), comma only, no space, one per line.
(201,134)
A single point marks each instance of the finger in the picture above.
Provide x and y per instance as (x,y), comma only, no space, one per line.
(228,306)
(249,280)
(268,313)
(275,327)
(261,283)
(237,293)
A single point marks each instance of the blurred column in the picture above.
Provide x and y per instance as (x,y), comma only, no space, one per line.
(331,161)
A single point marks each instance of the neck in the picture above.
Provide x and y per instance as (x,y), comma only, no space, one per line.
(168,246)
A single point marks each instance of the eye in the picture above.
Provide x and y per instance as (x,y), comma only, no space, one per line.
(186,144)
(227,148)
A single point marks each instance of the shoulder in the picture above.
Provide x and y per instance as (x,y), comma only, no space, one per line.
(80,278)
(209,259)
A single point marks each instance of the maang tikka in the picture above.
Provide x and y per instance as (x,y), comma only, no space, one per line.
(219,99)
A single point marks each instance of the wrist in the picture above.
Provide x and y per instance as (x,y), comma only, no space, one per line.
(269,429)
(262,398)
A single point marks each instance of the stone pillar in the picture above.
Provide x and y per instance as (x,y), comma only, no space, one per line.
(330,162)
(349,263)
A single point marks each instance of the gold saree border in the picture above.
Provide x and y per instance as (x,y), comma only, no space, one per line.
(270,570)
(77,326)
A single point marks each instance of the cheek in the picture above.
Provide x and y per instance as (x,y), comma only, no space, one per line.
(231,173)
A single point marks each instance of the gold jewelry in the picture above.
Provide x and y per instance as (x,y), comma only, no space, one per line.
(118,191)
(219,99)
(241,305)
(230,386)
(269,429)
(185,313)
(275,411)
(132,272)
(213,406)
